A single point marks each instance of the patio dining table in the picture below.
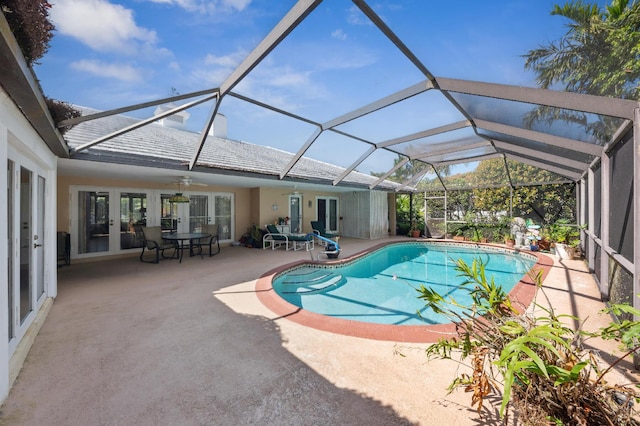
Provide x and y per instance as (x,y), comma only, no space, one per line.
(186,238)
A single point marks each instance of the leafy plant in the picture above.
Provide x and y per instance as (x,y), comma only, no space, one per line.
(61,111)
(565,233)
(30,25)
(536,362)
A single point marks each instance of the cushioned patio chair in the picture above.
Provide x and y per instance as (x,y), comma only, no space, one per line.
(274,239)
(153,241)
(209,242)
(319,229)
(301,241)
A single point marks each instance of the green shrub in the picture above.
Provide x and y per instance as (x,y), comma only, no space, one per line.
(538,364)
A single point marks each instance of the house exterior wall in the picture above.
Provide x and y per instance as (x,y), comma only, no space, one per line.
(4,254)
(242,200)
(20,142)
(280,197)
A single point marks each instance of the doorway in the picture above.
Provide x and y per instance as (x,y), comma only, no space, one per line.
(327,212)
(295,213)
(26,215)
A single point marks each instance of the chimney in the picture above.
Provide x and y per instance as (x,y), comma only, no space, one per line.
(219,128)
(175,121)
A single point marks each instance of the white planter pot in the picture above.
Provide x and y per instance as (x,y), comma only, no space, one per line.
(565,252)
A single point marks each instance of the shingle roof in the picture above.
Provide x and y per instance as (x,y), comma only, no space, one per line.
(158,146)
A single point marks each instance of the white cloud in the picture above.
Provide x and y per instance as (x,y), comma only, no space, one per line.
(207,6)
(339,34)
(120,72)
(231,60)
(356,17)
(101,25)
(216,69)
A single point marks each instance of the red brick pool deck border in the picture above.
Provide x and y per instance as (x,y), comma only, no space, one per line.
(521,296)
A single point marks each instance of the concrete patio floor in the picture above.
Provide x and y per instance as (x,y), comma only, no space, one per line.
(128,343)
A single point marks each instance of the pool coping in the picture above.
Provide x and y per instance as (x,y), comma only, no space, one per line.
(521,296)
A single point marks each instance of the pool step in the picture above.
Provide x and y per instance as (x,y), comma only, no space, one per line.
(308,280)
(305,275)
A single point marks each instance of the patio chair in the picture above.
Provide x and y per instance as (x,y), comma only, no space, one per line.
(301,241)
(319,229)
(274,239)
(295,242)
(153,241)
(209,242)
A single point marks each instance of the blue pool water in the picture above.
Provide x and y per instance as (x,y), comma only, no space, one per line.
(381,287)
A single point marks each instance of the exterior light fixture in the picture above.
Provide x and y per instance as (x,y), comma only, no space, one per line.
(178,197)
(274,206)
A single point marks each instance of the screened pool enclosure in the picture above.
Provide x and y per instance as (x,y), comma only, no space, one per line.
(422,131)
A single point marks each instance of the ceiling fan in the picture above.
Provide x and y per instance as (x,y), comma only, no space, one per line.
(294,192)
(186,181)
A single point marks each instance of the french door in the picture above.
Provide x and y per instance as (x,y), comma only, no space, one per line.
(103,219)
(203,208)
(327,212)
(27,243)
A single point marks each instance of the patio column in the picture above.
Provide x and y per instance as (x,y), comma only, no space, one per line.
(591,190)
(605,173)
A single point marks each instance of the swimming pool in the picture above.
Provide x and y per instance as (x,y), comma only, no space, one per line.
(377,290)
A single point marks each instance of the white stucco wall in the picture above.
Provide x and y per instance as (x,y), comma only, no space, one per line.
(20,142)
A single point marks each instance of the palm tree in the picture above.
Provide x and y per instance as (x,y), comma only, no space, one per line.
(599,55)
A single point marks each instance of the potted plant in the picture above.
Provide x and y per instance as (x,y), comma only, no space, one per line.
(459,236)
(509,241)
(414,231)
(545,241)
(566,238)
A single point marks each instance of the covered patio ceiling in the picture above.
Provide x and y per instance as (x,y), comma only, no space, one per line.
(441,127)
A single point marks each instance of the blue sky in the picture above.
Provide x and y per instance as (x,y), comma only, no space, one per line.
(108,54)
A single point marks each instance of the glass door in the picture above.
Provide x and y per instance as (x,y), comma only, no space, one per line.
(10,246)
(327,213)
(39,238)
(103,220)
(133,211)
(198,212)
(168,214)
(223,215)
(93,222)
(202,209)
(295,213)
(26,216)
(26,232)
